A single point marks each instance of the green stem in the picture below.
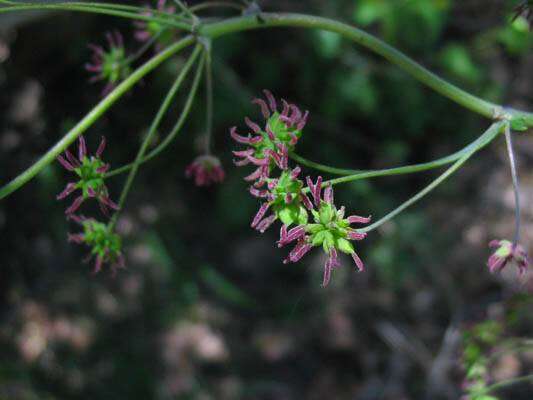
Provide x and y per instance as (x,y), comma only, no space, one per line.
(216,4)
(516,184)
(99,10)
(175,130)
(503,384)
(208,97)
(372,43)
(153,129)
(408,169)
(355,174)
(488,136)
(94,115)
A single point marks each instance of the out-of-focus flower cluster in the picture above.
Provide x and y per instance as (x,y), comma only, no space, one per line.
(285,197)
(147,31)
(206,170)
(111,63)
(106,246)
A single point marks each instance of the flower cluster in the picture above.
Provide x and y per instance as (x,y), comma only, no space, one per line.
(205,170)
(270,147)
(507,252)
(316,223)
(145,31)
(106,246)
(90,172)
(110,65)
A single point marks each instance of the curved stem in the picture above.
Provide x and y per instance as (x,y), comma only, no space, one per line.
(516,185)
(208,97)
(479,143)
(94,115)
(99,10)
(488,136)
(372,43)
(503,384)
(354,174)
(216,4)
(176,129)
(153,129)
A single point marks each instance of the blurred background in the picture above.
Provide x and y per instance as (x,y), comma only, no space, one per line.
(206,309)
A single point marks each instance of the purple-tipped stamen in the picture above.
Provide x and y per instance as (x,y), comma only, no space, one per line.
(260,214)
(315,189)
(75,205)
(82,148)
(101,147)
(67,191)
(356,219)
(328,194)
(353,235)
(271,100)
(75,163)
(264,107)
(266,223)
(300,250)
(358,262)
(68,166)
(252,125)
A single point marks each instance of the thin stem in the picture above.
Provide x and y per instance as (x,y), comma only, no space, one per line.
(153,129)
(144,48)
(208,97)
(216,4)
(479,143)
(489,135)
(355,174)
(503,384)
(185,10)
(372,43)
(176,129)
(94,115)
(269,20)
(99,10)
(516,184)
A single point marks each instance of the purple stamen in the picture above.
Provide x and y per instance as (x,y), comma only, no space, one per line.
(260,214)
(75,205)
(264,107)
(252,125)
(271,100)
(67,191)
(355,219)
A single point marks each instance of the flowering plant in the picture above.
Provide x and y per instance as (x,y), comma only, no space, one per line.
(305,208)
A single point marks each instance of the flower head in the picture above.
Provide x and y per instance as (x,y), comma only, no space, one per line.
(148,30)
(269,146)
(284,197)
(109,65)
(505,253)
(206,170)
(90,171)
(330,229)
(105,245)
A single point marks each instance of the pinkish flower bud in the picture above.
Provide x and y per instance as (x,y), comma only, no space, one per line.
(206,170)
(506,252)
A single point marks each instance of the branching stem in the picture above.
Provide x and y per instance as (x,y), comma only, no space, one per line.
(488,136)
(153,129)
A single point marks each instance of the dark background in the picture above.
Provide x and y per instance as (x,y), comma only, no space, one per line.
(206,309)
